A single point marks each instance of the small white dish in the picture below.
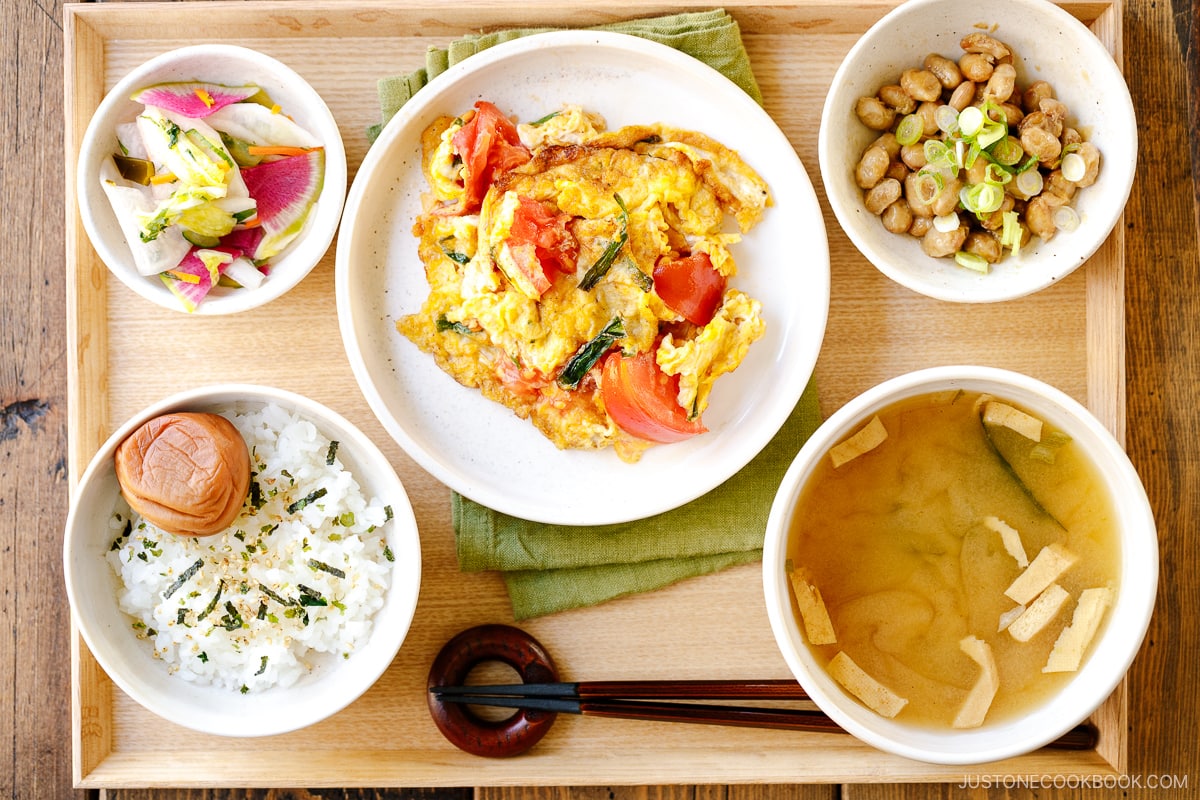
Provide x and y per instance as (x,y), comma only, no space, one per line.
(1110,654)
(334,682)
(480,448)
(229,65)
(1048,44)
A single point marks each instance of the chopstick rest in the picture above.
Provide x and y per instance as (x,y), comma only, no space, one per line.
(541,697)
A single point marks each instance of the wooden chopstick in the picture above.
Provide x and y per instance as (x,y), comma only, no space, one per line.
(782,689)
(641,700)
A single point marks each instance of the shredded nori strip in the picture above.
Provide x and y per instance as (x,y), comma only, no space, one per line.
(314,564)
(262,611)
(311,497)
(589,354)
(332,454)
(212,603)
(183,578)
(232,619)
(116,545)
(256,498)
(311,597)
(283,601)
(181,616)
(606,259)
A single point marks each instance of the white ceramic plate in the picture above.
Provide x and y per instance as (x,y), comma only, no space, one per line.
(334,682)
(480,448)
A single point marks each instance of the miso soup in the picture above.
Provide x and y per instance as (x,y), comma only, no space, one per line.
(919,540)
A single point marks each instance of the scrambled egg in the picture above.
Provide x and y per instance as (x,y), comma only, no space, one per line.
(626,199)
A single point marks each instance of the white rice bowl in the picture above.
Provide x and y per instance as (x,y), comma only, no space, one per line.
(243,608)
(318,577)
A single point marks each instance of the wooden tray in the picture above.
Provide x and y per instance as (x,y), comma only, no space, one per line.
(126,353)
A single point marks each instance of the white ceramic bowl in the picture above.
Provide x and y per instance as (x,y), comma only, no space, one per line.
(1048,44)
(480,448)
(231,65)
(1110,654)
(335,681)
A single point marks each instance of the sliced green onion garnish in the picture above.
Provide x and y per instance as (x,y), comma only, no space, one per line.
(946,223)
(1065,218)
(992,132)
(587,355)
(982,198)
(605,261)
(1029,183)
(1007,151)
(1010,230)
(937,153)
(971,261)
(946,118)
(1073,167)
(995,174)
(909,130)
(970,121)
(929,185)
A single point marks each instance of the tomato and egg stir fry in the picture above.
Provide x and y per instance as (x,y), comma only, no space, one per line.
(582,277)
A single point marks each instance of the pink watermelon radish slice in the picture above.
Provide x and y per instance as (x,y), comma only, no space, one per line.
(195,276)
(194,99)
(285,191)
(245,240)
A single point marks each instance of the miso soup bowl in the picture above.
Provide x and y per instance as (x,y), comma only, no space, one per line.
(1110,653)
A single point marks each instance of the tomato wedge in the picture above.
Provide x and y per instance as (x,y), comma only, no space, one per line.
(488,145)
(540,244)
(640,398)
(690,286)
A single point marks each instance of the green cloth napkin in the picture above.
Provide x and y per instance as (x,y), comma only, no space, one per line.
(710,36)
(549,568)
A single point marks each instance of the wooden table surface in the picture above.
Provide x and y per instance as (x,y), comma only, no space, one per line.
(1162,51)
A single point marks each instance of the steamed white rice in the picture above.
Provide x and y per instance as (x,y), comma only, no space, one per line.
(301,571)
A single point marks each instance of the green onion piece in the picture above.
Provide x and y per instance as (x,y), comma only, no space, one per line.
(262,666)
(312,497)
(587,356)
(453,255)
(971,261)
(1007,151)
(605,261)
(937,154)
(546,118)
(910,129)
(331,454)
(183,578)
(970,121)
(441,325)
(996,175)
(387,513)
(1010,230)
(1073,167)
(946,118)
(929,185)
(1030,183)
(982,198)
(387,553)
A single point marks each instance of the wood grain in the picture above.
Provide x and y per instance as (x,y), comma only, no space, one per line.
(1162,311)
